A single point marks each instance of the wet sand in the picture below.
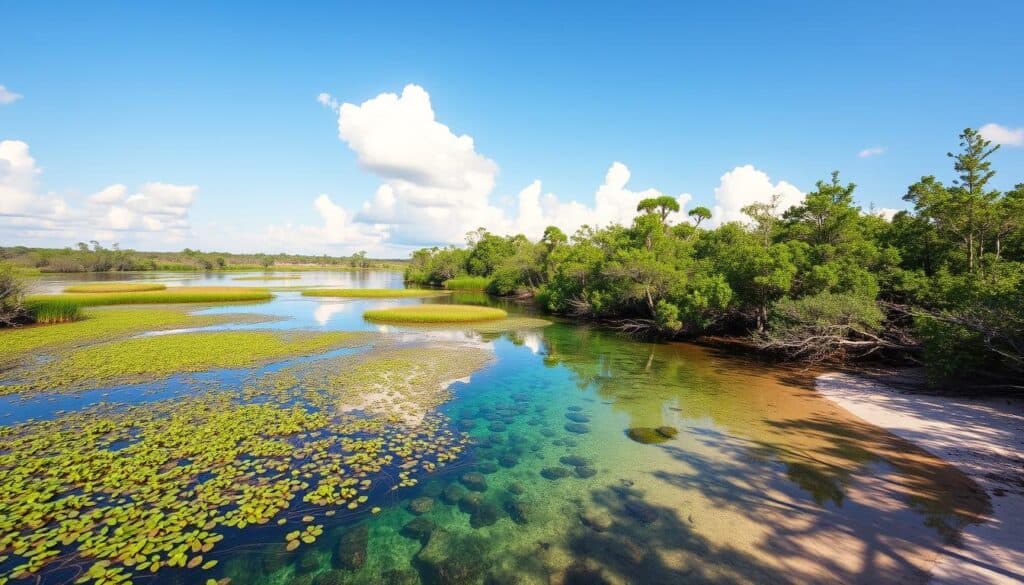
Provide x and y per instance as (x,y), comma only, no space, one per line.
(982,437)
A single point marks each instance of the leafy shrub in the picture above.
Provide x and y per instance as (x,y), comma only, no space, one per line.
(12,297)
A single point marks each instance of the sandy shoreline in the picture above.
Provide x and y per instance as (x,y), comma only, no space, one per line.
(982,437)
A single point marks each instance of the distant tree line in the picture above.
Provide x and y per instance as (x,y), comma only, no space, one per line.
(94,257)
(823,281)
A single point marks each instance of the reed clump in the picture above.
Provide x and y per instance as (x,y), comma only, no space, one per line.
(49,311)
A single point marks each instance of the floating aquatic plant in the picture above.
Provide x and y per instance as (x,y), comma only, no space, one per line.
(134,490)
(153,357)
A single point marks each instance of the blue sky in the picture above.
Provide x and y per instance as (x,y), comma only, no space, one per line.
(206,114)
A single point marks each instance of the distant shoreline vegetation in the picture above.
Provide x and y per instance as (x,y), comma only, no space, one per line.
(93,257)
(940,285)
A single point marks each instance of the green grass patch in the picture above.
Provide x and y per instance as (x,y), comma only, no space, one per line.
(467,283)
(269,277)
(142,359)
(373,293)
(50,311)
(115,287)
(435,314)
(102,324)
(182,294)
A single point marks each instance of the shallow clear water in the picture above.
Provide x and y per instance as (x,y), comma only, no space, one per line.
(764,482)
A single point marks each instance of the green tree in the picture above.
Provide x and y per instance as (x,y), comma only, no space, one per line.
(661,205)
(699,214)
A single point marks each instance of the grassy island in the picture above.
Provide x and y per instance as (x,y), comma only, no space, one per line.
(435,314)
(373,293)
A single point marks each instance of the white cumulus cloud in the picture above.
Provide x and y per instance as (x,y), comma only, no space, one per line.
(871,151)
(745,185)
(7,96)
(1002,135)
(157,209)
(435,185)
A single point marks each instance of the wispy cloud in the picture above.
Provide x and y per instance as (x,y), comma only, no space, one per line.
(327,100)
(7,96)
(1003,135)
(871,151)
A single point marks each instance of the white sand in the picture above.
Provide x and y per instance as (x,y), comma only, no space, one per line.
(982,437)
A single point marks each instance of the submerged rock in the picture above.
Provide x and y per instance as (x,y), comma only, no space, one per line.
(418,528)
(450,560)
(475,481)
(508,460)
(516,488)
(554,473)
(577,417)
(486,514)
(454,493)
(352,545)
(596,519)
(421,505)
(574,460)
(470,502)
(585,471)
(667,432)
(578,428)
(497,427)
(487,467)
(574,408)
(649,436)
(518,510)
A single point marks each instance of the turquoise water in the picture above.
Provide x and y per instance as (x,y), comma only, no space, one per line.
(591,458)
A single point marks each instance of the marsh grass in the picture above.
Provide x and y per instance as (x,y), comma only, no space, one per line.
(50,311)
(435,314)
(115,287)
(142,359)
(373,293)
(103,324)
(467,283)
(183,294)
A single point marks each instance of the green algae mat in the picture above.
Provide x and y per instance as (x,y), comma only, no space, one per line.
(152,357)
(101,324)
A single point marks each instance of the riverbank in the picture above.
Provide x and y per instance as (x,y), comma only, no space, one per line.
(984,438)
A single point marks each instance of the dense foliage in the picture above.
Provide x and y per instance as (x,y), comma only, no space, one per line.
(942,284)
